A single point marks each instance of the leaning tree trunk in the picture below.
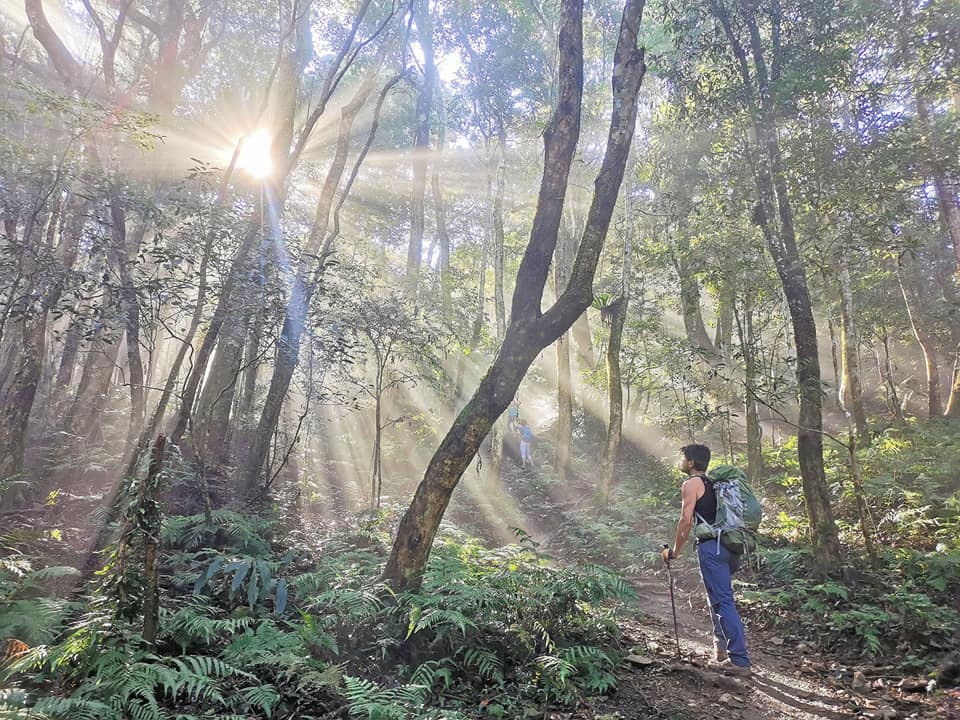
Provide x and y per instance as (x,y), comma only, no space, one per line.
(530,330)
(309,274)
(282,98)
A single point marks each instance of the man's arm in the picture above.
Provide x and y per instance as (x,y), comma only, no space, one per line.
(689,494)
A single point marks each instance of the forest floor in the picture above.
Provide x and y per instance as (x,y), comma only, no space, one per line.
(791,680)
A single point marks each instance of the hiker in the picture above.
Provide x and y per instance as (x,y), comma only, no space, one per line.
(526,440)
(513,415)
(717,563)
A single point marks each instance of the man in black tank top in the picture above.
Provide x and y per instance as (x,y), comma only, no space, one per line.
(717,564)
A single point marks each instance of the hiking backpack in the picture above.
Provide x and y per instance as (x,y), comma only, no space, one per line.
(738,511)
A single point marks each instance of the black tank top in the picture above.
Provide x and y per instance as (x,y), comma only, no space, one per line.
(706,506)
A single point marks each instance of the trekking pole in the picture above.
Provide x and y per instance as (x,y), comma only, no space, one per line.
(673,605)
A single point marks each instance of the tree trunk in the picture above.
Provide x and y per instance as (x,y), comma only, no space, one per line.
(100,364)
(309,274)
(618,317)
(886,376)
(925,340)
(18,397)
(748,345)
(953,401)
(564,407)
(498,238)
(562,261)
(611,448)
(186,345)
(693,323)
(443,237)
(211,431)
(477,329)
(376,490)
(19,388)
(281,97)
(775,217)
(421,142)
(583,343)
(723,336)
(849,343)
(530,330)
(130,307)
(860,495)
(68,358)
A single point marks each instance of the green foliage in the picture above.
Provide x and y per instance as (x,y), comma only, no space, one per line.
(507,618)
(869,619)
(219,528)
(502,622)
(29,609)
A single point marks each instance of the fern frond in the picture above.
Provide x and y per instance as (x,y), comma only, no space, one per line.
(431,674)
(485,662)
(261,697)
(75,709)
(439,616)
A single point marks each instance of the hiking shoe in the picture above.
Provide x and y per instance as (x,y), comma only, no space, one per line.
(720,654)
(744,672)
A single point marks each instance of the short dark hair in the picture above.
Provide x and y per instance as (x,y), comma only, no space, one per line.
(698,454)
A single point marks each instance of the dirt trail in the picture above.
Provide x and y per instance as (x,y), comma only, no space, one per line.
(778,690)
(790,681)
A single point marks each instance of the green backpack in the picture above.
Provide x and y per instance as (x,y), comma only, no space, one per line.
(738,511)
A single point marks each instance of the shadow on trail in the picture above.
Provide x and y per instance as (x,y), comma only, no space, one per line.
(776,687)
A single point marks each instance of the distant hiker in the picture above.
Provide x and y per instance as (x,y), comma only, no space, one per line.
(513,415)
(526,440)
(717,562)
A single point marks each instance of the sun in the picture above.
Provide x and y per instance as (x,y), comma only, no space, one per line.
(254,155)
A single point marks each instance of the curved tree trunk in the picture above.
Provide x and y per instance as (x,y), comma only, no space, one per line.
(926,342)
(529,330)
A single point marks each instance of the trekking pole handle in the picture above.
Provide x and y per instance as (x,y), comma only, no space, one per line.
(669,553)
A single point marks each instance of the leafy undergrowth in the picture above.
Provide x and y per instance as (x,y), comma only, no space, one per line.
(253,627)
(903,604)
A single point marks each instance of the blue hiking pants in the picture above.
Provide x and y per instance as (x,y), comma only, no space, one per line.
(716,569)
